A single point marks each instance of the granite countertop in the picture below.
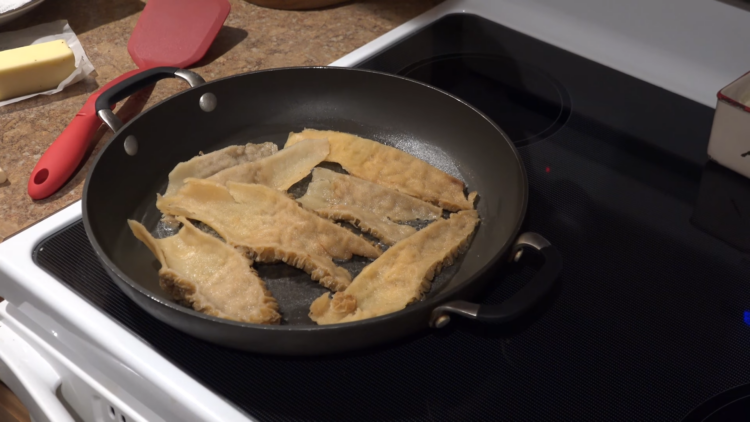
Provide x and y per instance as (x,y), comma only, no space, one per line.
(252,38)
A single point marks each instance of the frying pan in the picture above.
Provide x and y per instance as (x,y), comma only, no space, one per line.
(168,33)
(267,106)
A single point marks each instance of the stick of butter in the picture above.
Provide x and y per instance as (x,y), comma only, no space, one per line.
(35,68)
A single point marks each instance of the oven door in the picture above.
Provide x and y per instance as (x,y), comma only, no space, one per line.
(30,377)
(53,388)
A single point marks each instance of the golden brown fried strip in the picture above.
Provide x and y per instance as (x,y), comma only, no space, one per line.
(401,275)
(390,167)
(207,165)
(329,188)
(382,228)
(369,206)
(281,170)
(270,227)
(209,275)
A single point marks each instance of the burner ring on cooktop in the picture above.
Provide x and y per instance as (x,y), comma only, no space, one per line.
(527,103)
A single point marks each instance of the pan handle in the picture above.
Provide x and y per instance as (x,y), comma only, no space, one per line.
(134,84)
(522,302)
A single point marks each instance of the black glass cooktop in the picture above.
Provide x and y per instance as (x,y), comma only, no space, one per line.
(653,317)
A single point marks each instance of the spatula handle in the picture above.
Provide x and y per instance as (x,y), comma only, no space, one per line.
(62,158)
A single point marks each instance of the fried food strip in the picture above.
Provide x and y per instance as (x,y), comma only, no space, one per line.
(207,165)
(369,206)
(203,272)
(401,275)
(268,226)
(329,188)
(390,167)
(385,230)
(281,170)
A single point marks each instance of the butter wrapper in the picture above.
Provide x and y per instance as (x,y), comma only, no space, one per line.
(58,30)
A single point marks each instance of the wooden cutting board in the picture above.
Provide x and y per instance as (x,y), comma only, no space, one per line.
(11,409)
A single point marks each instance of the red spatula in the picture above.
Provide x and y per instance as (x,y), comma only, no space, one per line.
(168,33)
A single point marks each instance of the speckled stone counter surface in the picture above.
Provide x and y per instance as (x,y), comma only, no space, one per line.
(252,38)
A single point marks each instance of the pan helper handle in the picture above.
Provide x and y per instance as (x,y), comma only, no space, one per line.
(134,84)
(519,304)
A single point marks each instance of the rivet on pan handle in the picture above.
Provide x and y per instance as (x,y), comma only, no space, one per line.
(134,84)
(522,302)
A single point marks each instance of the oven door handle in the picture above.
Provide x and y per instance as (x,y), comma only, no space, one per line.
(31,378)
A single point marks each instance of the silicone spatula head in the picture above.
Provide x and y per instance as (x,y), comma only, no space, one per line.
(176,32)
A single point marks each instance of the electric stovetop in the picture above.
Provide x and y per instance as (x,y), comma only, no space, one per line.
(653,314)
